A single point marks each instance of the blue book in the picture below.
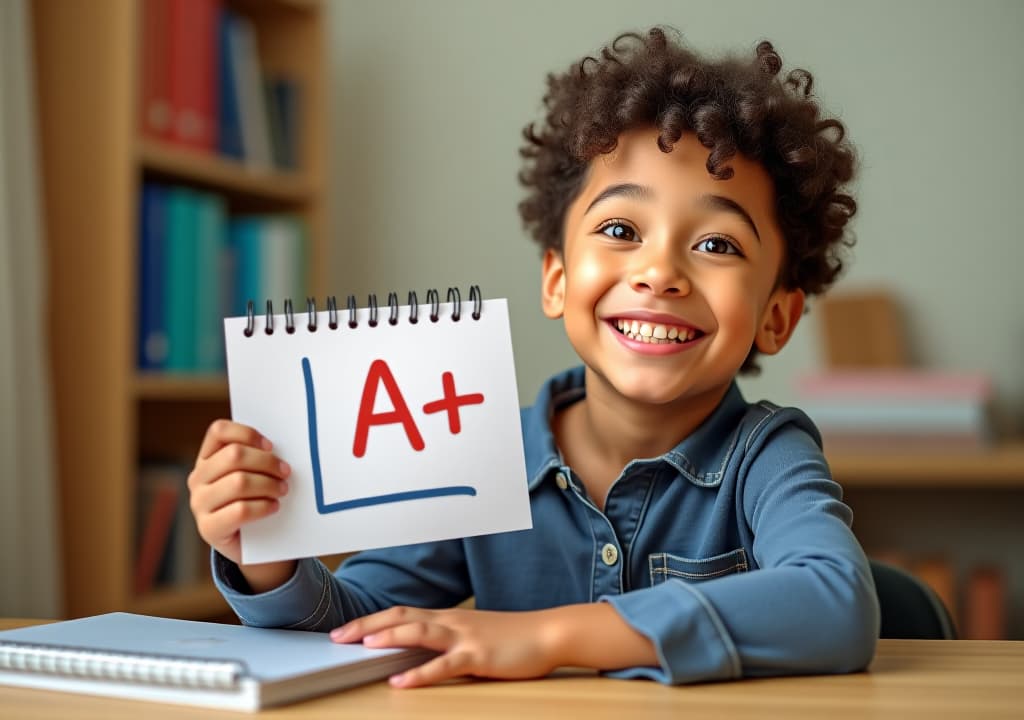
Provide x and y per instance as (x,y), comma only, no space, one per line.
(180,280)
(187,662)
(229,118)
(152,329)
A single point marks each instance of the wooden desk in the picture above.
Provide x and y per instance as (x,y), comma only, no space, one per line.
(908,679)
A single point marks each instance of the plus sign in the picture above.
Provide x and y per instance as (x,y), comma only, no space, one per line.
(451,403)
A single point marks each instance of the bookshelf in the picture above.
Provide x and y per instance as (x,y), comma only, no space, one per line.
(956,512)
(94,160)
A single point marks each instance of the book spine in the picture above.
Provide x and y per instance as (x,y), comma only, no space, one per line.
(245,60)
(155,105)
(985,605)
(192,40)
(211,212)
(180,282)
(245,242)
(152,338)
(229,130)
(159,493)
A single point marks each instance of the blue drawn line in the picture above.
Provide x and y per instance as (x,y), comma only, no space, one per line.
(318,483)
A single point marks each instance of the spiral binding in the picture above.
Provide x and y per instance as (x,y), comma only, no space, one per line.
(144,669)
(454,297)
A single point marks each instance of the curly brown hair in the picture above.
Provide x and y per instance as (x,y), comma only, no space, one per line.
(734,105)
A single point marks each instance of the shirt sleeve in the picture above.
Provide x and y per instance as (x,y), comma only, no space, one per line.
(424,575)
(809,607)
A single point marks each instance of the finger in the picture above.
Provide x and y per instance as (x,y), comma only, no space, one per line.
(441,668)
(225,432)
(234,458)
(221,526)
(424,634)
(236,486)
(355,630)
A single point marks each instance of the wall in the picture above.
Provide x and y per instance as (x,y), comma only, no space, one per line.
(429,99)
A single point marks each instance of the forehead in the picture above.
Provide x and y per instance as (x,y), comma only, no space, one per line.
(680,173)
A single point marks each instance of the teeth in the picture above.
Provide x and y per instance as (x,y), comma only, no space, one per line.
(648,333)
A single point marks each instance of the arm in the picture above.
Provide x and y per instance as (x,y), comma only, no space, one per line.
(811,606)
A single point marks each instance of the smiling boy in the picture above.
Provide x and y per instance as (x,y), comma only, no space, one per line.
(685,208)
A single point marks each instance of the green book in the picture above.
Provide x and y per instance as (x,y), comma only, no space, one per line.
(180,286)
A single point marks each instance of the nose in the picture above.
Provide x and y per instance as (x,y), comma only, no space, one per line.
(657,270)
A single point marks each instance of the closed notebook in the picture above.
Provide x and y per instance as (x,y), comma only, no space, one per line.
(188,662)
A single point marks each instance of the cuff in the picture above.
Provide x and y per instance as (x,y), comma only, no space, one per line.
(688,634)
(301,603)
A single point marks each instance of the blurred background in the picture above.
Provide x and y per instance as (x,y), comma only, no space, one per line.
(162,161)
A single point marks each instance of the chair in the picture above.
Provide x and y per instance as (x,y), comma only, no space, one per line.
(910,608)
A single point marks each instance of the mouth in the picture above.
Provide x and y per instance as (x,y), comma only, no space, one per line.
(655,333)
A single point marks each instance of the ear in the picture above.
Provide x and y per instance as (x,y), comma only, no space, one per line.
(780,318)
(552,284)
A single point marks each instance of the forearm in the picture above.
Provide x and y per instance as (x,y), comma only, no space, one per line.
(594,635)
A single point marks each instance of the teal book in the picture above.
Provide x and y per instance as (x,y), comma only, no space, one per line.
(181,286)
(211,218)
(190,663)
(245,242)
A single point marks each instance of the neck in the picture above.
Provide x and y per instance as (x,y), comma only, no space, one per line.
(619,429)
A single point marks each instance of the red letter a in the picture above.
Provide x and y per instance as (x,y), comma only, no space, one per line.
(380,373)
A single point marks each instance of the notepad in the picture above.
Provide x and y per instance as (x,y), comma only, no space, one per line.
(188,662)
(400,422)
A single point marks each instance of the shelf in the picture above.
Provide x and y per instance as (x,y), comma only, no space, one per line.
(198,602)
(224,174)
(1000,467)
(165,386)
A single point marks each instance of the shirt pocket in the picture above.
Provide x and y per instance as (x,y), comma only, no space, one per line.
(665,565)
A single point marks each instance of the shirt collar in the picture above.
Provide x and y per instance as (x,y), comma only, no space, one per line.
(701,457)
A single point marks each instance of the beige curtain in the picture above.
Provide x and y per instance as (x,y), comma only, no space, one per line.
(29,530)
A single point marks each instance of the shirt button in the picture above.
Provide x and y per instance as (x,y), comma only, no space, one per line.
(610,554)
(561,482)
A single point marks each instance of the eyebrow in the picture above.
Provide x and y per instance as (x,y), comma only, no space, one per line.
(633,191)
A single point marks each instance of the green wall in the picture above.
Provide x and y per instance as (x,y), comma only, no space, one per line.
(428,100)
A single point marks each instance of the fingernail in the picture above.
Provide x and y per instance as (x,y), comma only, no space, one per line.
(397,680)
(285,469)
(283,487)
(339,634)
(266,444)
(370,640)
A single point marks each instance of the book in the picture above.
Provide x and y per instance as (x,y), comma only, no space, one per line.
(152,327)
(180,279)
(985,604)
(211,234)
(229,120)
(192,39)
(154,90)
(347,395)
(160,488)
(188,662)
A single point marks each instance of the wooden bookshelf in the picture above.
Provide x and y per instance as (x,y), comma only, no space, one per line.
(94,161)
(1001,466)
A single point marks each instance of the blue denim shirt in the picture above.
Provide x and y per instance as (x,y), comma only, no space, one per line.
(732,552)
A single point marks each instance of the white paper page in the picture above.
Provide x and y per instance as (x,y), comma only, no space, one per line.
(394,477)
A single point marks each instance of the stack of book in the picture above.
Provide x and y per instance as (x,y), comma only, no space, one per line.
(197,266)
(169,551)
(898,409)
(203,86)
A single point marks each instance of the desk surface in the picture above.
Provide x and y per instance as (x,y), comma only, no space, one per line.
(907,679)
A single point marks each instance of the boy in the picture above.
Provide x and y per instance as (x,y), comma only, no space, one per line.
(685,208)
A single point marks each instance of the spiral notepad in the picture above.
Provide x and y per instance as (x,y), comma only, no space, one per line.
(189,662)
(400,421)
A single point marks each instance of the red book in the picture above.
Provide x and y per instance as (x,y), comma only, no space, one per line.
(156,531)
(154,86)
(985,611)
(192,55)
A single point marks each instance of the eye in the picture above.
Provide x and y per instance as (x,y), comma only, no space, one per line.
(718,246)
(617,230)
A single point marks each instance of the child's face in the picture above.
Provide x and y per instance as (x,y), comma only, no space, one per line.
(654,240)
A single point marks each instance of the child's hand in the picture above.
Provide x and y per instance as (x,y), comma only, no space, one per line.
(237,479)
(509,645)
